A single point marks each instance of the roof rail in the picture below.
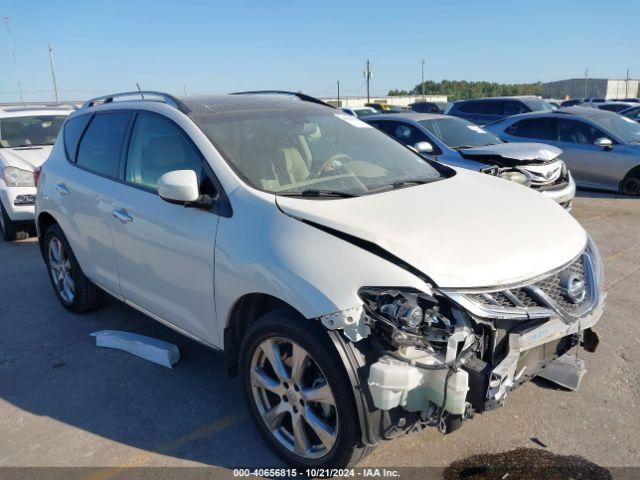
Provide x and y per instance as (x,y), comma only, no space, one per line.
(156,97)
(301,96)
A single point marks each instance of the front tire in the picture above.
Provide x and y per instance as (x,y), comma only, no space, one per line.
(298,392)
(8,228)
(630,185)
(74,290)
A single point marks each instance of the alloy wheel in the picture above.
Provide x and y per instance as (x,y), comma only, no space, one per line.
(60,270)
(294,398)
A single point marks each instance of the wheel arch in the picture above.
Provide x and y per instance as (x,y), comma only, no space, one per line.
(633,172)
(43,222)
(244,312)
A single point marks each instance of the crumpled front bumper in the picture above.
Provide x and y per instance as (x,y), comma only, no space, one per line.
(475,385)
(564,196)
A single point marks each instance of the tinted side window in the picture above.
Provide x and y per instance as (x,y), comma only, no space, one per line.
(73,129)
(540,128)
(158,146)
(468,107)
(484,107)
(514,108)
(101,144)
(577,132)
(405,133)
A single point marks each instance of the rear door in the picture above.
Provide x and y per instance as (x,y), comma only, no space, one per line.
(164,251)
(84,195)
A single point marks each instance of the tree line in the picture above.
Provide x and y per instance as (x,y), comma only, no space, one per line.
(462,89)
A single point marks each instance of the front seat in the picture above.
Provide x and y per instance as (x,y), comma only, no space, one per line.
(161,155)
(295,165)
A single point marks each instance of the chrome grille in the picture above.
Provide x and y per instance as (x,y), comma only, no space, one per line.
(540,298)
(525,297)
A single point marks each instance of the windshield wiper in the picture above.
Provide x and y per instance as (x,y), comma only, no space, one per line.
(401,184)
(462,147)
(314,192)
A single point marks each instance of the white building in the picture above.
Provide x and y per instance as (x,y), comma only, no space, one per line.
(403,100)
(590,88)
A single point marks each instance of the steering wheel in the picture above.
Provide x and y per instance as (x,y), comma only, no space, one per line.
(323,167)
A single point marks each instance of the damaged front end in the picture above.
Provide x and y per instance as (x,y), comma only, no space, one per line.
(433,359)
(532,165)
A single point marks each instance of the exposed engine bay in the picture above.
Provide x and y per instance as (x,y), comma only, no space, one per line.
(435,359)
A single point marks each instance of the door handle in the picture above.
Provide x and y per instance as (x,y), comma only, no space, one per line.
(122,215)
(62,189)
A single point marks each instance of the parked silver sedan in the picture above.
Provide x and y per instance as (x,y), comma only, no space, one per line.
(602,149)
(460,143)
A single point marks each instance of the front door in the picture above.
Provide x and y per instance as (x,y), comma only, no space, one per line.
(590,165)
(164,251)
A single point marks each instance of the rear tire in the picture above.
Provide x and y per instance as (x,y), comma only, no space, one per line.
(74,290)
(326,429)
(8,227)
(630,185)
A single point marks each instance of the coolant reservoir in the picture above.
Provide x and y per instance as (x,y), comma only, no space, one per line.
(395,383)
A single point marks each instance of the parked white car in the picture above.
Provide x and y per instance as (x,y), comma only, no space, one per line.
(26,137)
(360,111)
(359,290)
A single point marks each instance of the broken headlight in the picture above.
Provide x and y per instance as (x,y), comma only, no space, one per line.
(407,316)
(517,177)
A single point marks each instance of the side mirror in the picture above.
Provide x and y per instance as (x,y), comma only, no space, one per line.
(423,147)
(179,186)
(603,142)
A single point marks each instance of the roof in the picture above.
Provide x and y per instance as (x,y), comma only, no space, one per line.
(506,97)
(24,111)
(414,116)
(588,112)
(208,104)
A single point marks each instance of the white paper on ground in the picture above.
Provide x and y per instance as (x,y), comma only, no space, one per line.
(152,349)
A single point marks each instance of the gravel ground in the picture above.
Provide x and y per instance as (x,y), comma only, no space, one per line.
(66,403)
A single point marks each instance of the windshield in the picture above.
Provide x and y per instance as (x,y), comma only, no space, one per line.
(458,133)
(30,130)
(624,128)
(313,151)
(537,105)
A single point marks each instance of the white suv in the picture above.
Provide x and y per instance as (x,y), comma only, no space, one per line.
(26,136)
(359,291)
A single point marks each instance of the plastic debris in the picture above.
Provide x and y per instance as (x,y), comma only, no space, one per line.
(566,371)
(152,349)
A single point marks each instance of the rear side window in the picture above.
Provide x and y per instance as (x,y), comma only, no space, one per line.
(487,107)
(73,129)
(539,128)
(514,108)
(158,146)
(101,145)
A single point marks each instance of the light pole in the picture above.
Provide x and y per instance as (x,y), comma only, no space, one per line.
(422,83)
(53,74)
(367,76)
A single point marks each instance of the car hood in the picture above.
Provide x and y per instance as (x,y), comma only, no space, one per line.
(472,230)
(525,152)
(26,158)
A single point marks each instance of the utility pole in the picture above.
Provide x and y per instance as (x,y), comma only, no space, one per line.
(586,81)
(422,83)
(367,76)
(53,74)
(626,89)
(338,91)
(13,54)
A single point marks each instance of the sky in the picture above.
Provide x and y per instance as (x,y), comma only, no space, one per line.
(102,47)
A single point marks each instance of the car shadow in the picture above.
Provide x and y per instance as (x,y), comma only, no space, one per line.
(582,192)
(50,367)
